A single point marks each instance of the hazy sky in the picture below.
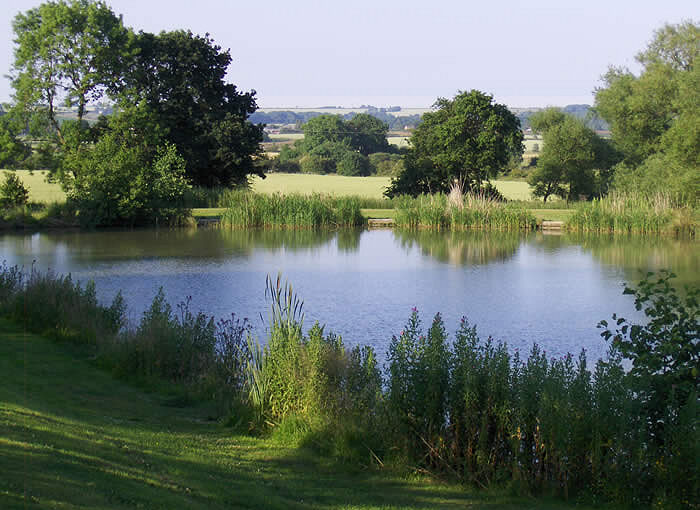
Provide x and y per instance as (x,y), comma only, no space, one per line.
(405,52)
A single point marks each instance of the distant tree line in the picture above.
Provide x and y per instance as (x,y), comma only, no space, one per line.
(393,122)
(584,112)
(355,147)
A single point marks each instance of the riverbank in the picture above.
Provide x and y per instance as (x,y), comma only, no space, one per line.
(73,436)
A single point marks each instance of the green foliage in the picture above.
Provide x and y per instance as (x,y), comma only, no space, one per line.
(68,49)
(469,211)
(213,135)
(665,383)
(354,164)
(13,152)
(12,191)
(248,210)
(315,164)
(467,139)
(57,307)
(656,114)
(331,144)
(627,213)
(384,163)
(309,385)
(129,176)
(470,409)
(664,351)
(574,158)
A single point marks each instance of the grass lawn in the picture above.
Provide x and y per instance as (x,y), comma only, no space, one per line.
(39,189)
(552,214)
(372,187)
(71,436)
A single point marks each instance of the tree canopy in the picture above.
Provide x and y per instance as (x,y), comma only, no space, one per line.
(468,139)
(572,154)
(655,117)
(180,76)
(72,52)
(66,53)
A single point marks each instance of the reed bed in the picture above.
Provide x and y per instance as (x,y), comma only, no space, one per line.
(253,210)
(626,213)
(461,212)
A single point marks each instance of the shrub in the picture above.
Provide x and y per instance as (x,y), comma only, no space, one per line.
(119,185)
(354,164)
(313,164)
(12,191)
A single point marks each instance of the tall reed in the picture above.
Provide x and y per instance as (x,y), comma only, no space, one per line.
(251,210)
(461,212)
(627,213)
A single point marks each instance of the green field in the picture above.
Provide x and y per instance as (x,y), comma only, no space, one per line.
(39,190)
(286,137)
(371,187)
(399,141)
(72,436)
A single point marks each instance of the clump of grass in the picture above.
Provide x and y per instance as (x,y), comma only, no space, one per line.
(461,211)
(626,213)
(58,307)
(252,210)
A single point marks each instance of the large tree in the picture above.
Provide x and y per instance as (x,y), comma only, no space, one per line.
(655,116)
(574,160)
(67,52)
(468,139)
(181,77)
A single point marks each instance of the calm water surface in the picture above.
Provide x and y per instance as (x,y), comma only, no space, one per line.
(548,289)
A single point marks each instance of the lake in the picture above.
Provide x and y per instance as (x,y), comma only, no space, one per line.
(520,288)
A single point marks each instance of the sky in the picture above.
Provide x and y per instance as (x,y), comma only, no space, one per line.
(307,53)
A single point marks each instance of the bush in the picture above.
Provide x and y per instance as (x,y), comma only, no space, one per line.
(313,164)
(12,191)
(354,164)
(119,184)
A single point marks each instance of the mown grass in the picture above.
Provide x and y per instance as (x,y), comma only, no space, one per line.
(71,436)
(372,187)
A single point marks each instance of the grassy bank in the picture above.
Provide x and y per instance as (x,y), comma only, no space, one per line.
(71,436)
(467,409)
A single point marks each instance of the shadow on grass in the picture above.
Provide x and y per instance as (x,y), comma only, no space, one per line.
(72,436)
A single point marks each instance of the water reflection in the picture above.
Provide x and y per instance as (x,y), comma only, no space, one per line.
(634,255)
(462,248)
(521,288)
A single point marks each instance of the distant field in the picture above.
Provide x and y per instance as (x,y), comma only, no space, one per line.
(371,187)
(399,141)
(286,137)
(39,189)
(529,145)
